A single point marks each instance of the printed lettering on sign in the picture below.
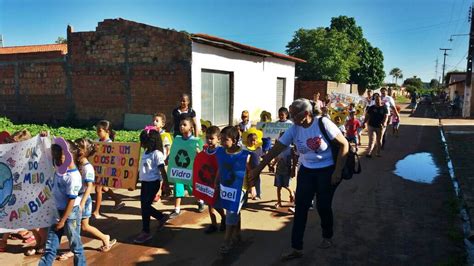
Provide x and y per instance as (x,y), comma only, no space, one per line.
(228,193)
(183,174)
(116,164)
(205,189)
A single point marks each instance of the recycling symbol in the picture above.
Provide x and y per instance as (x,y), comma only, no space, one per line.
(232,177)
(182,159)
(207,174)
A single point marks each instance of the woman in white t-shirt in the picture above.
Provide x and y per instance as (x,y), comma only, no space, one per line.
(318,173)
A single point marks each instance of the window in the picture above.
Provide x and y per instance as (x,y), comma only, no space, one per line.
(280,94)
(215,96)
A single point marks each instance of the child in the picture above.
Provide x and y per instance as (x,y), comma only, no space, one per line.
(159,121)
(186,128)
(105,134)
(212,141)
(244,125)
(86,149)
(396,122)
(152,171)
(65,192)
(283,115)
(352,126)
(283,173)
(256,155)
(340,125)
(233,163)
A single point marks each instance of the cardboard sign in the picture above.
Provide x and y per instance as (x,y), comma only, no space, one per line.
(181,160)
(232,169)
(26,184)
(204,172)
(273,129)
(116,164)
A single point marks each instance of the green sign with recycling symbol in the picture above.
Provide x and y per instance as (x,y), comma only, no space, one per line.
(182,154)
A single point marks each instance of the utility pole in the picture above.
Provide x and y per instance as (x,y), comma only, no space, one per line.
(444,62)
(466,110)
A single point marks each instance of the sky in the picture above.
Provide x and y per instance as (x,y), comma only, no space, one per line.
(409,32)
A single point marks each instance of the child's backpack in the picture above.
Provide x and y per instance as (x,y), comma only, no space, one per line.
(352,165)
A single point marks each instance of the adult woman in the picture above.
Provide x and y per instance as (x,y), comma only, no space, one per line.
(318,172)
(183,111)
(376,119)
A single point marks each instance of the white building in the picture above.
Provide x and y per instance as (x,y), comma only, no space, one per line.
(229,77)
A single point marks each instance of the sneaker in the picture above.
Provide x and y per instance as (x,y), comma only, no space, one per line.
(210,229)
(174,214)
(162,222)
(200,206)
(223,225)
(325,243)
(142,238)
(292,254)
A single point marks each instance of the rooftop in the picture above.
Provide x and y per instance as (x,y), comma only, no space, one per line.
(239,47)
(34,49)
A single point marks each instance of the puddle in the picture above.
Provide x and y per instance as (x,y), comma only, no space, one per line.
(418,167)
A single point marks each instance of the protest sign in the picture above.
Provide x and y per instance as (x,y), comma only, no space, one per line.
(116,164)
(232,169)
(181,160)
(204,172)
(273,129)
(26,184)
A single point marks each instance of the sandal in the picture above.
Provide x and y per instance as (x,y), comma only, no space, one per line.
(66,256)
(30,252)
(118,206)
(107,248)
(278,205)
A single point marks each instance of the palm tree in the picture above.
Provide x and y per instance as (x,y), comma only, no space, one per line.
(397,74)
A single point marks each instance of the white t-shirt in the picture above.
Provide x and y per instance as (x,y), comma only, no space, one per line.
(312,147)
(389,102)
(66,187)
(149,166)
(88,176)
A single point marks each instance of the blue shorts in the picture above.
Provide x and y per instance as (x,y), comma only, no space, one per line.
(396,125)
(87,212)
(282,181)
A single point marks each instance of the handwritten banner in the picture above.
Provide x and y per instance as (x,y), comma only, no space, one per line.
(116,164)
(273,129)
(26,183)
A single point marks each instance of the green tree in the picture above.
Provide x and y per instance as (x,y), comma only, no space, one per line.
(330,55)
(61,40)
(434,84)
(369,73)
(396,73)
(414,82)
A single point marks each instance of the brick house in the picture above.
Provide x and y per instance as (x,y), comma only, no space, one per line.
(128,69)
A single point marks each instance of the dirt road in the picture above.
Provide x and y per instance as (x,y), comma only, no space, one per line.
(380,219)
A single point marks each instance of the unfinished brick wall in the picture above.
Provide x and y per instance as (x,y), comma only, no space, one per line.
(307,89)
(32,87)
(128,67)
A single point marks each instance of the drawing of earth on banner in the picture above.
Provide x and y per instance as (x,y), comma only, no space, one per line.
(6,188)
(26,183)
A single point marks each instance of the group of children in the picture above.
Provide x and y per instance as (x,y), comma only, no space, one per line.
(236,149)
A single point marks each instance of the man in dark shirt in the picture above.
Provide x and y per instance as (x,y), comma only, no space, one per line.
(376,119)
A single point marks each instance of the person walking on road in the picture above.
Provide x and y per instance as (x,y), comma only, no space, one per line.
(318,173)
(376,119)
